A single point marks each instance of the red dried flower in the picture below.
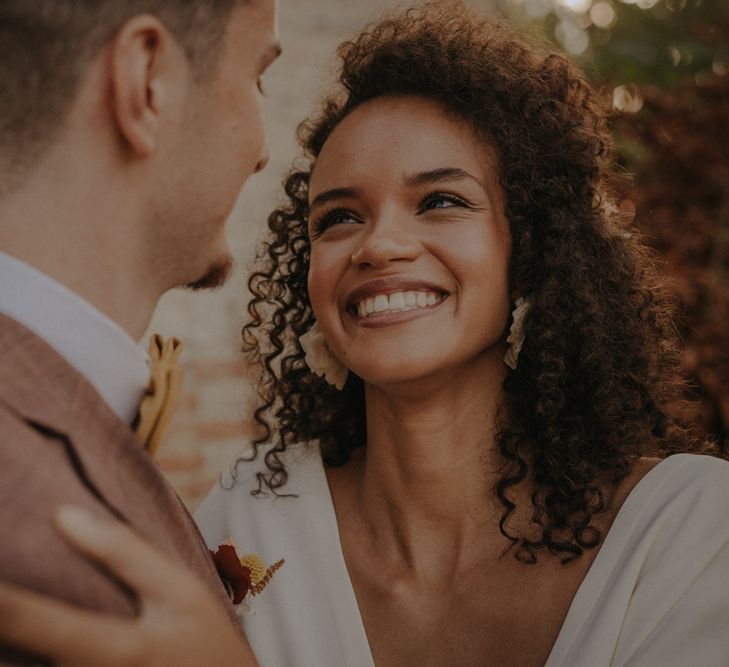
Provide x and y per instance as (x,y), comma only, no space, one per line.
(235,577)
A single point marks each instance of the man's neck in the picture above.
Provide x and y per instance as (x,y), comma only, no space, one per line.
(83,238)
(99,284)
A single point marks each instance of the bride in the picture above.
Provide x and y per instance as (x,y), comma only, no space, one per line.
(466,372)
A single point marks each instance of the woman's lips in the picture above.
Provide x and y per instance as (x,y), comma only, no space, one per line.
(389,300)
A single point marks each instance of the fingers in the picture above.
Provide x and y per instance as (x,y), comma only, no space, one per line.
(54,629)
(181,623)
(141,566)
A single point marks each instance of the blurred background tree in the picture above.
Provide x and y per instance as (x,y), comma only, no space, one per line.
(662,67)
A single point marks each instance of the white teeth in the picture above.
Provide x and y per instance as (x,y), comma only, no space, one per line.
(381,303)
(396,302)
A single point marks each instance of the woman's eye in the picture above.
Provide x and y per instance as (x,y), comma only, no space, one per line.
(332,218)
(441,200)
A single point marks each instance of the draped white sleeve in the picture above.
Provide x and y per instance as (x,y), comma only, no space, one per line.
(658,591)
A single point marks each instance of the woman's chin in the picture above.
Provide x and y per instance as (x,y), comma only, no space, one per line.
(399,376)
(425,373)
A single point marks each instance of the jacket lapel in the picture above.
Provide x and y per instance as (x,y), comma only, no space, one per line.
(44,390)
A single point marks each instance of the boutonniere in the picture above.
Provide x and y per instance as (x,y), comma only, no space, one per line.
(243,576)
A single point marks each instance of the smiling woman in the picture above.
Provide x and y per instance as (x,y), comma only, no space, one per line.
(462,499)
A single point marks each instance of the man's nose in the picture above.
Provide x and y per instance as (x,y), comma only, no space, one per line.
(262,159)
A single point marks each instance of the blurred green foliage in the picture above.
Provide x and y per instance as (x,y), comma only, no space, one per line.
(662,45)
(647,41)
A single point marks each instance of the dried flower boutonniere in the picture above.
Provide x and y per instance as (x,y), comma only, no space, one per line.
(243,577)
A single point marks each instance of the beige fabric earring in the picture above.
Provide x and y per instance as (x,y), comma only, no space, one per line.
(516,333)
(319,358)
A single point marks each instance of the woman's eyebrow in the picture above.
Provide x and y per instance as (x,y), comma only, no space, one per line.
(428,177)
(334,193)
(441,174)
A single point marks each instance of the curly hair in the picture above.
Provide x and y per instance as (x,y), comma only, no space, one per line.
(596,377)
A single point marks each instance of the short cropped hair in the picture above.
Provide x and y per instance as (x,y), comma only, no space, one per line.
(46,45)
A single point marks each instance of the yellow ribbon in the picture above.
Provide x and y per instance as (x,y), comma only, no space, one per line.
(160,401)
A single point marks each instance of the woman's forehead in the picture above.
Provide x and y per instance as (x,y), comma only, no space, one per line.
(396,137)
(390,140)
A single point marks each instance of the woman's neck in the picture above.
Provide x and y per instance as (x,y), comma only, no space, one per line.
(423,490)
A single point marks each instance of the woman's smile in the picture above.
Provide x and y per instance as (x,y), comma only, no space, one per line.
(383,302)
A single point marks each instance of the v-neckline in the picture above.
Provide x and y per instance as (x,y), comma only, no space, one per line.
(342,599)
(339,590)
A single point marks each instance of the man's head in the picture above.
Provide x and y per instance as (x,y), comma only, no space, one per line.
(162,96)
(46,45)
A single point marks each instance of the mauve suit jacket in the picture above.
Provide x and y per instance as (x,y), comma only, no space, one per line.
(60,443)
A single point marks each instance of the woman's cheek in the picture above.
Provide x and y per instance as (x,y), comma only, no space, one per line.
(313,286)
(321,286)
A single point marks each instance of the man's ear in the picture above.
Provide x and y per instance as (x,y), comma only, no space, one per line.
(145,68)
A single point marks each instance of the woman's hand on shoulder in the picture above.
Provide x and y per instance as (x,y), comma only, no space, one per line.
(180,622)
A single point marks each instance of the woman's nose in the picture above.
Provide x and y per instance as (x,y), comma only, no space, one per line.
(386,241)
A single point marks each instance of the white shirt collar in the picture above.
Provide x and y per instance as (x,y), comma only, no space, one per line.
(95,345)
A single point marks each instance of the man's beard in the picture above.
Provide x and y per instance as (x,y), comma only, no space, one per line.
(215,276)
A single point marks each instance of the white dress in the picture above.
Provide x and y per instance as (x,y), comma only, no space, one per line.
(656,595)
